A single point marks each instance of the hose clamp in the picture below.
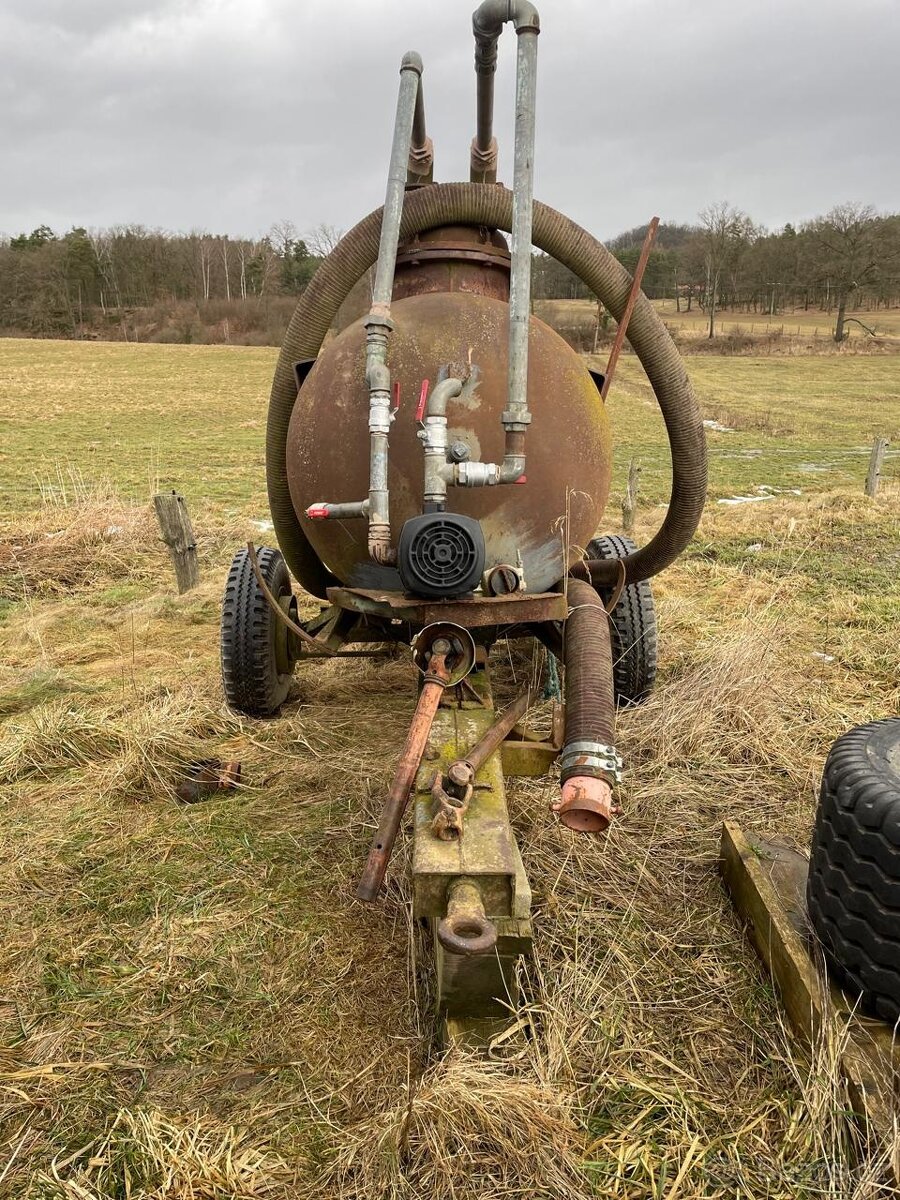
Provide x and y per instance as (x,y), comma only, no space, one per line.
(590,757)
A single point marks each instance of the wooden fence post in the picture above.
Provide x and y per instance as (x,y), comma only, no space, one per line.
(178,535)
(629,503)
(875,464)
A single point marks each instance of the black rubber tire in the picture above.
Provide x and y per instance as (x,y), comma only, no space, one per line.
(250,675)
(853,891)
(633,627)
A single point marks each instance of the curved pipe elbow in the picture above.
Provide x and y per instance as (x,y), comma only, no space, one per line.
(491,15)
(512,469)
(447,389)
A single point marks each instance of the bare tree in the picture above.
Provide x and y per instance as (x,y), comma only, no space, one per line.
(224,247)
(204,251)
(726,232)
(283,235)
(847,238)
(323,239)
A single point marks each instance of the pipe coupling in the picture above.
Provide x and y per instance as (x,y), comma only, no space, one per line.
(421,159)
(380,548)
(516,420)
(590,758)
(483,163)
(475,474)
(380,412)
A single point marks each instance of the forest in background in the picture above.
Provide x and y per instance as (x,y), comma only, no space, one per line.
(138,284)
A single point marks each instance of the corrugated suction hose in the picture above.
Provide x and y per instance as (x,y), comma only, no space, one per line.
(588,752)
(491,205)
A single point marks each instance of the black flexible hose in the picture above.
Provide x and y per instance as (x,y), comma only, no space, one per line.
(491,205)
(590,701)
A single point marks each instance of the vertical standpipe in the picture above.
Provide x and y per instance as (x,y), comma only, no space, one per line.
(410,113)
(487,24)
(378,322)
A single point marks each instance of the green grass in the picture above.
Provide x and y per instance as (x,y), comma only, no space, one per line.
(804,423)
(193,418)
(189,417)
(184,986)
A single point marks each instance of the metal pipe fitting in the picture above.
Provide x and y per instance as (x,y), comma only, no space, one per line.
(586,804)
(410,111)
(321,511)
(434,438)
(420,168)
(487,25)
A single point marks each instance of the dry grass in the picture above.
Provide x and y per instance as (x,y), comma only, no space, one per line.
(793,334)
(192,1005)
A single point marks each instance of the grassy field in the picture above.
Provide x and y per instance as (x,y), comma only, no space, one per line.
(191,1003)
(885,322)
(790,331)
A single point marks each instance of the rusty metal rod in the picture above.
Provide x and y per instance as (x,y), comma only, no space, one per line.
(482,750)
(437,678)
(629,307)
(321,650)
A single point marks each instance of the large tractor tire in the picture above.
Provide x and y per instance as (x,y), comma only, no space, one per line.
(633,623)
(256,664)
(853,893)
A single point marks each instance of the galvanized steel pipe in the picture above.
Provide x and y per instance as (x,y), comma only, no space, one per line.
(434,438)
(487,24)
(410,111)
(378,322)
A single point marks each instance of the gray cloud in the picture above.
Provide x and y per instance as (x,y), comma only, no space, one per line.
(228,115)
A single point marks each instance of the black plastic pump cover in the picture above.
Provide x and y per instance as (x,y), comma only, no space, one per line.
(441,555)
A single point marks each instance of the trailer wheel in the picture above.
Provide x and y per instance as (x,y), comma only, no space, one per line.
(853,892)
(256,660)
(633,627)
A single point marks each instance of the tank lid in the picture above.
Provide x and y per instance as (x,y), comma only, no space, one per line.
(466,243)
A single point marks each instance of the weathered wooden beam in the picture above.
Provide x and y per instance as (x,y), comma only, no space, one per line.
(767,882)
(876,462)
(629,503)
(178,535)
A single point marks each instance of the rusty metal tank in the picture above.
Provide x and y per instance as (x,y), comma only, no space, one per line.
(451,318)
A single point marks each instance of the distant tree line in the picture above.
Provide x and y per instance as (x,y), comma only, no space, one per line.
(849,258)
(55,285)
(52,285)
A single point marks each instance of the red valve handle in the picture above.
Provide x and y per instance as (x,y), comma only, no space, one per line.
(423,400)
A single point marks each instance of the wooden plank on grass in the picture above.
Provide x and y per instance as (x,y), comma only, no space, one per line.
(767,882)
(178,535)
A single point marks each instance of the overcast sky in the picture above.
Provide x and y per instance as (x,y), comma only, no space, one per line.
(228,115)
